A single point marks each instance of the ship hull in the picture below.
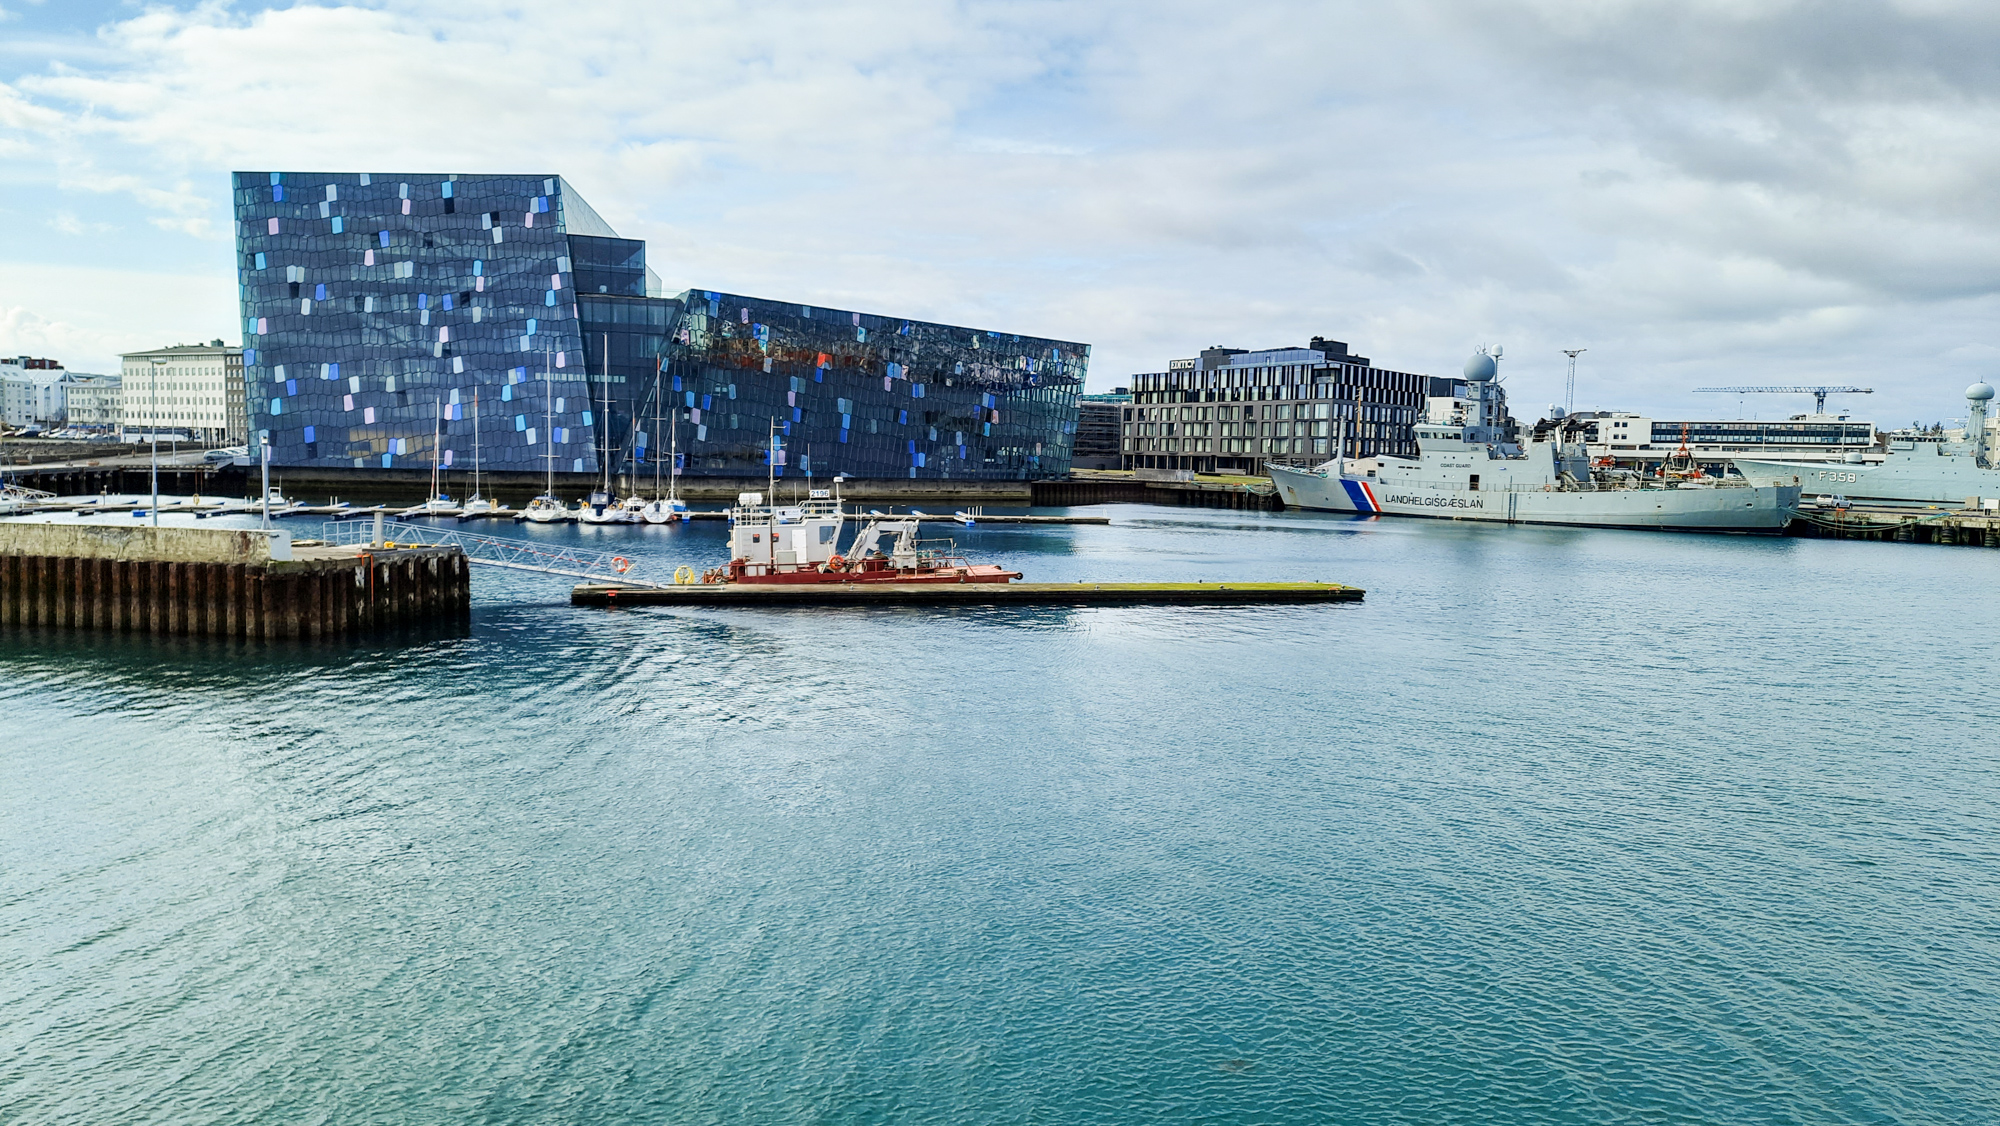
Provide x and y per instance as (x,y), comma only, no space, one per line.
(1765,509)
(1920,478)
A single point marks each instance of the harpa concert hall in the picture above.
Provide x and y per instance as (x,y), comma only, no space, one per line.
(381,309)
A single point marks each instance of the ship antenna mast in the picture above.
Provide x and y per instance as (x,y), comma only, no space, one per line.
(1569,391)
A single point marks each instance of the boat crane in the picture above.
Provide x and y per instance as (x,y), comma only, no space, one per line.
(1819,394)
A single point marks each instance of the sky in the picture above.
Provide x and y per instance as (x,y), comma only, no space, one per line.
(1698,193)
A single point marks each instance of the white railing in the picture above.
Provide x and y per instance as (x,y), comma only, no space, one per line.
(493,551)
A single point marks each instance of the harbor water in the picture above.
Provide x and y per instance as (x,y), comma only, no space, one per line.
(1558,826)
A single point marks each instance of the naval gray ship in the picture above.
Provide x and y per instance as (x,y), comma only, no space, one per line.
(1917,472)
(1478,471)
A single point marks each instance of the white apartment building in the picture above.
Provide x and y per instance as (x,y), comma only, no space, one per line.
(95,402)
(194,388)
(31,391)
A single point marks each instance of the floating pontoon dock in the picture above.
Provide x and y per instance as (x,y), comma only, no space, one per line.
(962,594)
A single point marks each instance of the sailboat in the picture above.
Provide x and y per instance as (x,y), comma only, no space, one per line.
(602,507)
(548,508)
(634,503)
(670,508)
(437,503)
(476,505)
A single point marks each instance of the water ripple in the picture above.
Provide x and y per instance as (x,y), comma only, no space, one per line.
(1557,827)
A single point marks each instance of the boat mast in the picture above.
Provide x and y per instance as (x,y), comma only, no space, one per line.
(475,441)
(656,429)
(674,455)
(437,443)
(548,423)
(771,465)
(604,373)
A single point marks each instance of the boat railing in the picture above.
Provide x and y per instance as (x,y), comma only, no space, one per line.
(1638,484)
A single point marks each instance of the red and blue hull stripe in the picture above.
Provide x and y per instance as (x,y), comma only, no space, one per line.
(1361,495)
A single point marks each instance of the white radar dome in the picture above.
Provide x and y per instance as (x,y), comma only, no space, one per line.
(1980,390)
(1480,368)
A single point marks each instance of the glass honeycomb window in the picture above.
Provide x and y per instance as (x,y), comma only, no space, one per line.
(379,308)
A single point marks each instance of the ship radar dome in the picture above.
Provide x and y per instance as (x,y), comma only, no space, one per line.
(1981,390)
(1480,368)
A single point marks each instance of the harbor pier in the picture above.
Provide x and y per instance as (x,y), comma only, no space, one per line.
(220,583)
(1970,526)
(610,595)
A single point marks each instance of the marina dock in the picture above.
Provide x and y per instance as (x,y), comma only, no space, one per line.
(963,594)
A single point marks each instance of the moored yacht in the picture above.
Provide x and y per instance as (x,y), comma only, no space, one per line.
(547,509)
(602,506)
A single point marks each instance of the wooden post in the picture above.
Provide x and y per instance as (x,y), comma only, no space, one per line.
(256,604)
(232,622)
(314,604)
(60,601)
(194,619)
(176,585)
(288,607)
(114,594)
(44,591)
(10,588)
(97,578)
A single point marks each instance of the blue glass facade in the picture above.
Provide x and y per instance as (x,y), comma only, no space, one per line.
(374,303)
(867,396)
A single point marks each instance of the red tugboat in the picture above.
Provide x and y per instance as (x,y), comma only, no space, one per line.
(800,543)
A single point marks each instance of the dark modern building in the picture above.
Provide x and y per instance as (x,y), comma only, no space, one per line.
(374,304)
(1099,426)
(1229,410)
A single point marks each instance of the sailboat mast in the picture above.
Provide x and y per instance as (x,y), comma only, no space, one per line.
(604,373)
(771,463)
(475,441)
(656,429)
(437,444)
(549,422)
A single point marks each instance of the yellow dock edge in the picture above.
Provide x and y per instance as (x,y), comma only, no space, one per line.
(965,594)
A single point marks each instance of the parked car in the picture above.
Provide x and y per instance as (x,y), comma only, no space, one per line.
(225,456)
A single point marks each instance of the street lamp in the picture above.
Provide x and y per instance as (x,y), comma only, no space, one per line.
(153,408)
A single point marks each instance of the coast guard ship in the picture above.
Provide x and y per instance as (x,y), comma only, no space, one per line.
(1479,471)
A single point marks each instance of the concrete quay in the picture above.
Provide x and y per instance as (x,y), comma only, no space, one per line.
(219,583)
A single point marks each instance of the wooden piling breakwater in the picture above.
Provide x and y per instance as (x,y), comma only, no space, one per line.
(220,583)
(1965,527)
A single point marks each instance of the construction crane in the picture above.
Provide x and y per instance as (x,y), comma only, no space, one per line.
(1819,394)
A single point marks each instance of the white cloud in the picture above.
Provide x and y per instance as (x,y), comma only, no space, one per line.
(1775,189)
(106,312)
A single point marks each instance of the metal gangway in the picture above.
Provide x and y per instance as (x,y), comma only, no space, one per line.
(493,551)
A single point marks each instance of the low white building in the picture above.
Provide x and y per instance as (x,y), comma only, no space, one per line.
(1641,442)
(193,388)
(31,391)
(96,402)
